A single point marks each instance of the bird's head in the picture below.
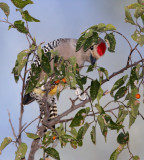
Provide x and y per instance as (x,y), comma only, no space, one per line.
(97,51)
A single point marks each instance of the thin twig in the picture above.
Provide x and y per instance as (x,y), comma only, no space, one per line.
(11,125)
(28,126)
(22,107)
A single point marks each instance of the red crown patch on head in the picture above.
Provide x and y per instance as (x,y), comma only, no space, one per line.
(101,48)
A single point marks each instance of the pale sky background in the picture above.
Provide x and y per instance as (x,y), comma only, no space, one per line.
(65,19)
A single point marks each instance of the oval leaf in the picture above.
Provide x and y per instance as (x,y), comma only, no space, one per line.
(110,27)
(136,158)
(138,37)
(120,93)
(20,63)
(79,118)
(115,154)
(80,42)
(94,39)
(5,142)
(5,8)
(35,73)
(111,41)
(119,83)
(21,3)
(95,85)
(93,135)
(139,12)
(20,153)
(82,131)
(128,17)
(103,125)
(45,64)
(33,136)
(52,152)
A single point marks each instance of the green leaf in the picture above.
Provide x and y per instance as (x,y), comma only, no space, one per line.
(39,51)
(82,131)
(80,42)
(79,118)
(101,27)
(20,63)
(100,109)
(67,138)
(73,63)
(133,77)
(123,138)
(87,110)
(5,8)
(118,84)
(142,18)
(115,154)
(121,114)
(134,6)
(21,3)
(15,71)
(90,68)
(111,41)
(33,136)
(138,66)
(60,130)
(131,96)
(93,135)
(35,73)
(131,119)
(138,38)
(114,126)
(45,64)
(100,94)
(88,33)
(5,142)
(97,28)
(101,69)
(73,144)
(71,79)
(139,12)
(26,16)
(81,81)
(134,104)
(110,27)
(52,152)
(95,85)
(136,158)
(134,108)
(91,41)
(103,125)
(128,17)
(120,93)
(47,138)
(21,151)
(63,69)
(73,132)
(19,25)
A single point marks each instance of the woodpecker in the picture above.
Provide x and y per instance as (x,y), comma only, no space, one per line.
(66,48)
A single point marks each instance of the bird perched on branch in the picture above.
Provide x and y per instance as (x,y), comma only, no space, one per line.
(65,48)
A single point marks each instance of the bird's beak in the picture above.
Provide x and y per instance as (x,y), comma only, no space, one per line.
(92,60)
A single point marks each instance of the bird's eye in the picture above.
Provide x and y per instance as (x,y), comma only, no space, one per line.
(91,47)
